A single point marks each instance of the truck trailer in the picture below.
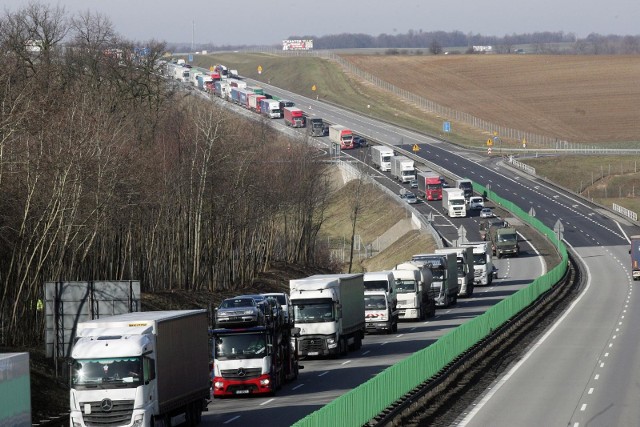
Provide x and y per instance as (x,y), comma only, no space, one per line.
(634,251)
(445,276)
(381,157)
(140,369)
(270,108)
(329,310)
(429,185)
(294,117)
(453,202)
(402,169)
(265,353)
(464,268)
(467,186)
(342,136)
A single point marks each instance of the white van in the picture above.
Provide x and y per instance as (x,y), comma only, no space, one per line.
(476,203)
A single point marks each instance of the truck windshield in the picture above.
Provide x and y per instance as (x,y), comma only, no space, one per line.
(375,302)
(507,237)
(434,186)
(240,346)
(313,313)
(376,284)
(120,372)
(438,274)
(386,158)
(460,268)
(457,202)
(479,259)
(405,286)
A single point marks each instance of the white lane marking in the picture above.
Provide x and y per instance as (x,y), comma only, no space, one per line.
(324,373)
(596,377)
(584,406)
(232,419)
(297,387)
(366,352)
(606,355)
(398,336)
(386,342)
(344,363)
(537,345)
(267,402)
(602,365)
(591,390)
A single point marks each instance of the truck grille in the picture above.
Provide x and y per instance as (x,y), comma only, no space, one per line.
(108,413)
(477,273)
(241,374)
(311,345)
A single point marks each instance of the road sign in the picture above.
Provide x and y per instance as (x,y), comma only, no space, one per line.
(415,148)
(524,143)
(532,211)
(558,227)
(190,57)
(211,69)
(462,234)
(489,142)
(446,127)
(313,88)
(489,150)
(259,69)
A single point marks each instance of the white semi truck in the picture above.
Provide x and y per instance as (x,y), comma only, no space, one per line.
(381,157)
(140,369)
(382,281)
(484,270)
(379,313)
(402,168)
(454,203)
(416,297)
(464,267)
(329,310)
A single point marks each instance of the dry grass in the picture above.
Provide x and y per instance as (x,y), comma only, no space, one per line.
(576,98)
(591,99)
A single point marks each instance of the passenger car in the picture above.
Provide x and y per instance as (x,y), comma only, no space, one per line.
(476,202)
(285,303)
(359,141)
(242,310)
(486,213)
(413,183)
(410,198)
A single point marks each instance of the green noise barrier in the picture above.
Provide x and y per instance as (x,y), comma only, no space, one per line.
(361,404)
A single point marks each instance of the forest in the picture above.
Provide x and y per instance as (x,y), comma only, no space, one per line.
(107,172)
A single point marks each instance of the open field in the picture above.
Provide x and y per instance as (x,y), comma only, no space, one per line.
(591,99)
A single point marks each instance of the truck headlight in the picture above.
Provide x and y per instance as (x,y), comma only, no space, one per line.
(138,420)
(264,381)
(218,384)
(331,340)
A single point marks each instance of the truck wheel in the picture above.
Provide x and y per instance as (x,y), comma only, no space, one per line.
(394,327)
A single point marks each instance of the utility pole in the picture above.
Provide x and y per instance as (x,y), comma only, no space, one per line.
(193,34)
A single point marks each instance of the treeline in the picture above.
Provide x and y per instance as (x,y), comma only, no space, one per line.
(109,173)
(547,42)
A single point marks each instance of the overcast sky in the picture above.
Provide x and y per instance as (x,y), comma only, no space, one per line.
(268,22)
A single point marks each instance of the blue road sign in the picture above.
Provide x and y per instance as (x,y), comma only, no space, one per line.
(446,127)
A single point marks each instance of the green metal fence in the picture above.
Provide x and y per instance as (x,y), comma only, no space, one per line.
(364,402)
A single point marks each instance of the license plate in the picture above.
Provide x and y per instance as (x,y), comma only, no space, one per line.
(242,391)
(313,353)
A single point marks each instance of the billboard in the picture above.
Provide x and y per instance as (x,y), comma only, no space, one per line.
(297,44)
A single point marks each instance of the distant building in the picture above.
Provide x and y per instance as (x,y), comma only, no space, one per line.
(297,44)
(483,49)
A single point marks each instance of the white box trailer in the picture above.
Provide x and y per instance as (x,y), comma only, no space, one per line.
(416,298)
(402,168)
(142,368)
(329,310)
(381,157)
(454,203)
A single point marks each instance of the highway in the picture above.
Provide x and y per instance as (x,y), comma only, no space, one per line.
(583,372)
